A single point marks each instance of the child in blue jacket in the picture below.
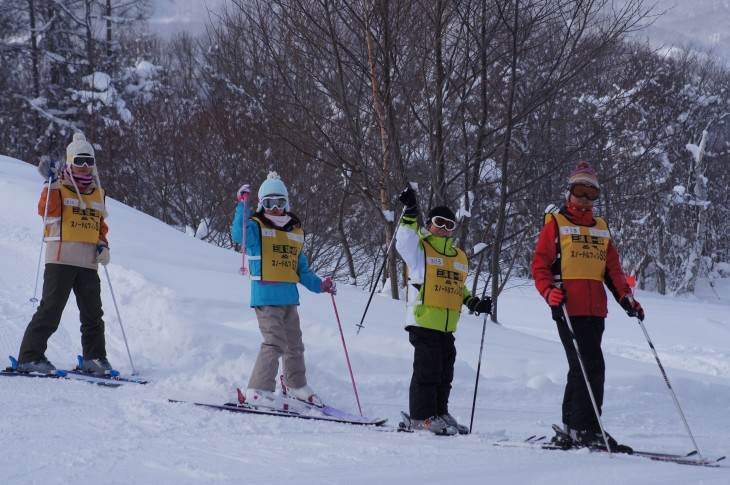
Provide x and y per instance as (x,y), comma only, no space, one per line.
(274,242)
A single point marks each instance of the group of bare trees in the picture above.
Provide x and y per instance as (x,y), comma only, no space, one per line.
(486,105)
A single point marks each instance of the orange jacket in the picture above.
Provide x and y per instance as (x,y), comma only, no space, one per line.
(54,210)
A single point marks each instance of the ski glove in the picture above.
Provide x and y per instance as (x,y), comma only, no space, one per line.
(408,199)
(47,168)
(480,306)
(632,307)
(328,286)
(243,192)
(102,254)
(555,296)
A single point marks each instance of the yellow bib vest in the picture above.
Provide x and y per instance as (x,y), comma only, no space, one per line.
(279,253)
(582,249)
(81,225)
(443,285)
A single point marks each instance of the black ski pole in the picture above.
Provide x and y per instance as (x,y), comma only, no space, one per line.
(377,278)
(671,391)
(479,367)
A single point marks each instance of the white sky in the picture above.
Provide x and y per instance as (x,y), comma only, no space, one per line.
(171,16)
(699,22)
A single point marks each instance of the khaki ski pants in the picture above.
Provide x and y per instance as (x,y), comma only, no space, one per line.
(282,334)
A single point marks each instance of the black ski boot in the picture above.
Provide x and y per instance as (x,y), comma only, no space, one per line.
(594,440)
(562,439)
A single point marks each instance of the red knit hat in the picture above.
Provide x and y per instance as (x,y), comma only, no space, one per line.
(584,174)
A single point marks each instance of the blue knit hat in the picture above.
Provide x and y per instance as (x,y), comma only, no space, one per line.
(273,186)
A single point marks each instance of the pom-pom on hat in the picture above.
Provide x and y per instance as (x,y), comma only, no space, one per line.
(273,186)
(584,174)
(440,211)
(79,146)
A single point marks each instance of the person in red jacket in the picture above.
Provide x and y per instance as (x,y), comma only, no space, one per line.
(573,260)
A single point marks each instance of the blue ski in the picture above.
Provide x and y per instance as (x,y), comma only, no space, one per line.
(12,371)
(112,375)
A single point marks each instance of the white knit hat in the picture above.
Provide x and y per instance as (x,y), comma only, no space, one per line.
(78,146)
(273,186)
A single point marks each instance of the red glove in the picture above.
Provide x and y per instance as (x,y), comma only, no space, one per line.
(554,296)
(632,307)
(328,286)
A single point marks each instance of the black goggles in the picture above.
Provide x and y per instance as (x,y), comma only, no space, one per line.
(443,223)
(274,202)
(83,161)
(585,191)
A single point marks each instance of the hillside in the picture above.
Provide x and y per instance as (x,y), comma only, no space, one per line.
(185,311)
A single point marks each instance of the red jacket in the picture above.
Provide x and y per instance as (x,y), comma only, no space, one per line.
(584,297)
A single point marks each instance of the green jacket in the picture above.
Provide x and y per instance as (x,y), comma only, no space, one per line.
(409,244)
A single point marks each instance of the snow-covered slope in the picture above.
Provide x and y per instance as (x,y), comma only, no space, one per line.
(184,309)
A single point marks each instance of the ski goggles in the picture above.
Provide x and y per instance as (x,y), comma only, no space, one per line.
(585,191)
(278,202)
(83,161)
(443,223)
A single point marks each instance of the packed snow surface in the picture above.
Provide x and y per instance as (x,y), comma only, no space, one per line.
(184,308)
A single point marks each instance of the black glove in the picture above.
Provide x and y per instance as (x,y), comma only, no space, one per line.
(632,307)
(480,306)
(408,199)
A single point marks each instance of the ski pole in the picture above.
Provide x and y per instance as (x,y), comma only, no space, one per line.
(119,316)
(479,366)
(344,346)
(585,376)
(671,391)
(377,278)
(43,238)
(243,269)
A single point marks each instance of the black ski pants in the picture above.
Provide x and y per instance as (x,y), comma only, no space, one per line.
(578,412)
(434,354)
(58,281)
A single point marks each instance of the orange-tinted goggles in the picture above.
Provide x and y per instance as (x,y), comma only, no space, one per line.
(585,191)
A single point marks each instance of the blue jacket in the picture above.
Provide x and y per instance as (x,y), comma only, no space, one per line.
(265,292)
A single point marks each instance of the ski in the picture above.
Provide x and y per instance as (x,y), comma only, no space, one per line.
(12,371)
(684,459)
(245,408)
(57,374)
(113,375)
(534,442)
(405,426)
(115,381)
(326,410)
(292,401)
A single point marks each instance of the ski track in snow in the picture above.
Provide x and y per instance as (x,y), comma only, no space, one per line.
(184,309)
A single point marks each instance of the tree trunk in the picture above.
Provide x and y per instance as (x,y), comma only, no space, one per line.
(504,166)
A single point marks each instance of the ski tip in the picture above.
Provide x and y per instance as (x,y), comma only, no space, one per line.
(13,362)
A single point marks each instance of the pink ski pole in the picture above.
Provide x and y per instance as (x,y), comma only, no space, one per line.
(243,269)
(344,346)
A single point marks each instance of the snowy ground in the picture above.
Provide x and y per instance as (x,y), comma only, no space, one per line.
(184,308)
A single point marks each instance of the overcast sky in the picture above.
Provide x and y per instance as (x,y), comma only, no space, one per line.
(703,23)
(171,16)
